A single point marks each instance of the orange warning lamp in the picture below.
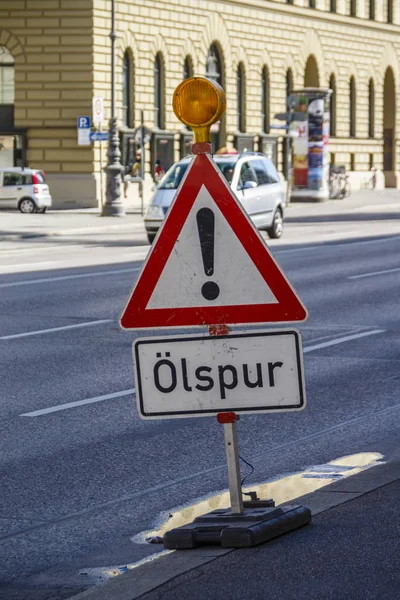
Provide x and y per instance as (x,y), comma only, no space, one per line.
(199,102)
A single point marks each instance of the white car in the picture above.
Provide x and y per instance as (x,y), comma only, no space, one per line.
(251,175)
(25,189)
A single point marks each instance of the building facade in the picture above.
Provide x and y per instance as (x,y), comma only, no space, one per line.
(55,56)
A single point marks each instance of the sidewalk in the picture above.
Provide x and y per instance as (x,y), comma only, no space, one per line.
(350,551)
(15,226)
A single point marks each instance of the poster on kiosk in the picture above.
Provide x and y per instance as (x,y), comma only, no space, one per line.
(310,161)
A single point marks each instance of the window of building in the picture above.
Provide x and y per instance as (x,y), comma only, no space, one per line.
(352,162)
(127,90)
(332,6)
(188,67)
(6,88)
(371,109)
(371,160)
(289,82)
(215,70)
(332,86)
(311,3)
(159,92)
(265,100)
(372,9)
(6,76)
(241,100)
(289,1)
(353,8)
(352,107)
(390,11)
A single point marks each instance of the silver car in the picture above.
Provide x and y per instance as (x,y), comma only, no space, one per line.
(25,189)
(253,178)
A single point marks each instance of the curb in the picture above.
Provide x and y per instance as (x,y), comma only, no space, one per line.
(77,231)
(157,571)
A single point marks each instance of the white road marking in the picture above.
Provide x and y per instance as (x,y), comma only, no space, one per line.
(332,244)
(341,340)
(52,409)
(373,273)
(64,277)
(41,331)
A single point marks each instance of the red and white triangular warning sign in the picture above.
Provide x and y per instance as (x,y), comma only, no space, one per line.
(209,265)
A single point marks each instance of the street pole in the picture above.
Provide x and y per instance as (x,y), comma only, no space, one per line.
(113,206)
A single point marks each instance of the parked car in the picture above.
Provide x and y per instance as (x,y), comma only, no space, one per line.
(25,189)
(252,176)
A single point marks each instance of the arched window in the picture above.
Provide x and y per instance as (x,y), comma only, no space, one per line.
(332,6)
(241,98)
(311,73)
(390,11)
(352,107)
(127,90)
(159,92)
(6,88)
(289,82)
(188,67)
(372,9)
(215,70)
(332,86)
(371,109)
(353,8)
(265,99)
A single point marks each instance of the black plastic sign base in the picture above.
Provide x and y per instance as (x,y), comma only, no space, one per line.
(254,526)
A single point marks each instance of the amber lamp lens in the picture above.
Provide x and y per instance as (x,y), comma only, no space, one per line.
(197,102)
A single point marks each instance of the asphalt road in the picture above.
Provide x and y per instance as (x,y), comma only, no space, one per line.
(82,474)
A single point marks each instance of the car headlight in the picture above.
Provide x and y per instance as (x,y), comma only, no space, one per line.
(155,211)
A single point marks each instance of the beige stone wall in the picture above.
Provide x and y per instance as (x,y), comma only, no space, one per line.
(51,41)
(258,33)
(62,55)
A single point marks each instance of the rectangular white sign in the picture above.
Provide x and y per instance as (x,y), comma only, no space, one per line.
(194,375)
(98,110)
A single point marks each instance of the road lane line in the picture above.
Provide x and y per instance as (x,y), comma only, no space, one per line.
(52,409)
(373,273)
(341,340)
(45,411)
(331,244)
(64,277)
(41,331)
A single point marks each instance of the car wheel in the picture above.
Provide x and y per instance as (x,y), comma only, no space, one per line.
(150,237)
(27,206)
(276,229)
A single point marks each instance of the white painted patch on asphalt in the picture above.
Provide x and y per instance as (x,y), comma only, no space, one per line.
(65,277)
(41,331)
(342,340)
(372,273)
(68,405)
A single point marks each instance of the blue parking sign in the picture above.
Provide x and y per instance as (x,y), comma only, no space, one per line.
(84,131)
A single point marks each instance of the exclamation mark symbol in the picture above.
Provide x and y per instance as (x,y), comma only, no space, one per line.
(206,227)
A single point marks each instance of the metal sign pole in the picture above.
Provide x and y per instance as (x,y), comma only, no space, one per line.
(232,459)
(228,420)
(101,171)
